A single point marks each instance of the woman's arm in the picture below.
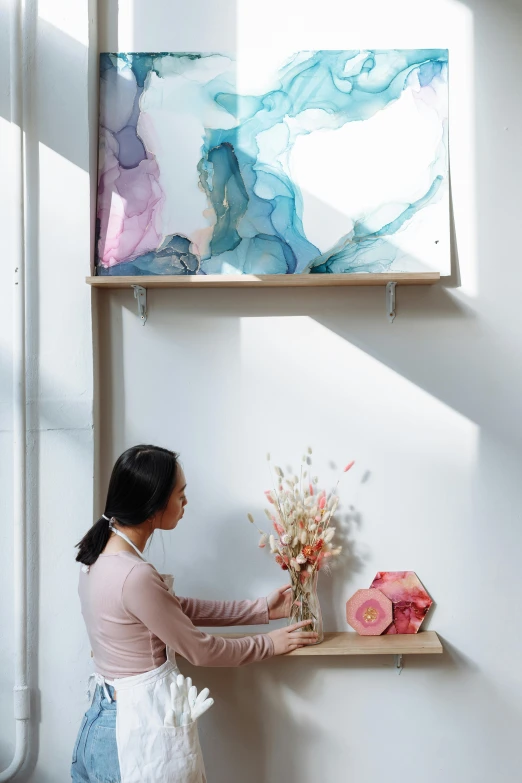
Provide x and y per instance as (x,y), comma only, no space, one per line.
(146,598)
(222,613)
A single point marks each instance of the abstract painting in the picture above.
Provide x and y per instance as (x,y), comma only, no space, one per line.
(410,600)
(322,162)
(369,612)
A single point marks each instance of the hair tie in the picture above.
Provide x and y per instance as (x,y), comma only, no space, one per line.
(104,517)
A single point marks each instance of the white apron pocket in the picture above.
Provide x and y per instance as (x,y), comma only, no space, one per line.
(182,753)
(148,751)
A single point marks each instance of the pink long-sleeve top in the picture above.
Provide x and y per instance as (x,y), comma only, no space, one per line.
(131,618)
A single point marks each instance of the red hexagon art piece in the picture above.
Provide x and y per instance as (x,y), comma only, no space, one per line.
(410,600)
(369,612)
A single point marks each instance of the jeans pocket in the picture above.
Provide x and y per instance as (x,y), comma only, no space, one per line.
(104,764)
(78,739)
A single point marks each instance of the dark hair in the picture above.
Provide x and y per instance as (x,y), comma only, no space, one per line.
(141,484)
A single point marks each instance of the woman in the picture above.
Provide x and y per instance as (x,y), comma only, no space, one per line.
(132,618)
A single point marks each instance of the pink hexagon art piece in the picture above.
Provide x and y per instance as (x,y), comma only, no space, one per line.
(369,612)
(410,600)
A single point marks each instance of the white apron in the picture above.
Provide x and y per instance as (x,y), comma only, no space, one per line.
(148,751)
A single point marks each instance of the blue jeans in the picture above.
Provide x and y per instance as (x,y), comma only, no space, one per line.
(95,755)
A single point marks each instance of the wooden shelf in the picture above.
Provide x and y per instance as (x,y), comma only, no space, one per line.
(266,281)
(422,643)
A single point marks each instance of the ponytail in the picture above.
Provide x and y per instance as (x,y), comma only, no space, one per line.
(94,542)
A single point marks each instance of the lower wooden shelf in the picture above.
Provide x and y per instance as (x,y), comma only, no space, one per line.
(422,643)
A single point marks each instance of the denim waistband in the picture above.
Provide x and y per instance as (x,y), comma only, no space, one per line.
(100,697)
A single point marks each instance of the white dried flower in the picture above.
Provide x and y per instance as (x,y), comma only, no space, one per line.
(268,513)
(295,565)
(250,519)
(337,551)
(310,568)
(272,543)
(279,471)
(312,527)
(309,450)
(295,541)
(285,539)
(305,474)
(304,537)
(301,559)
(329,535)
(262,541)
(268,456)
(315,480)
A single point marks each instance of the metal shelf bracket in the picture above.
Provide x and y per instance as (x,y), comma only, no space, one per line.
(398,663)
(140,294)
(390,301)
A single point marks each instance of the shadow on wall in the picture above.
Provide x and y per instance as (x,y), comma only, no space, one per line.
(255,704)
(445,357)
(467,392)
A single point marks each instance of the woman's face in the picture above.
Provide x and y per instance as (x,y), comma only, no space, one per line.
(169,518)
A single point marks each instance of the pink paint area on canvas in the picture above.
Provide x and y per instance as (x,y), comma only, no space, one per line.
(410,600)
(369,612)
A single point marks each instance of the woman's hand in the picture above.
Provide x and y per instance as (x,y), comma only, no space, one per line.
(279,603)
(291,638)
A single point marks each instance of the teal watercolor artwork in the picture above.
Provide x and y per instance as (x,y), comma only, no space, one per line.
(322,162)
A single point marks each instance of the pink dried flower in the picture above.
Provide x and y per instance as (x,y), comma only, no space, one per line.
(349,466)
(279,529)
(322,557)
(269,496)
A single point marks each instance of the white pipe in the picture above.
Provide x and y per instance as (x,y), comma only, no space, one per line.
(21,688)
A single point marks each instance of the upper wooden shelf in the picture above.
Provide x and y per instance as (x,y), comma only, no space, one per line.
(266,281)
(422,643)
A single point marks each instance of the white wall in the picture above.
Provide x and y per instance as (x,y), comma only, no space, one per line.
(60,396)
(430,406)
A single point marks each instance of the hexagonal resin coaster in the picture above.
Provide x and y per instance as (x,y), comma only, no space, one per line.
(410,600)
(369,612)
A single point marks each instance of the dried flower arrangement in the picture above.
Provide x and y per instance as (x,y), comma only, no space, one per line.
(301,516)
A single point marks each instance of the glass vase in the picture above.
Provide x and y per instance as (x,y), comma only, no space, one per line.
(306,606)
